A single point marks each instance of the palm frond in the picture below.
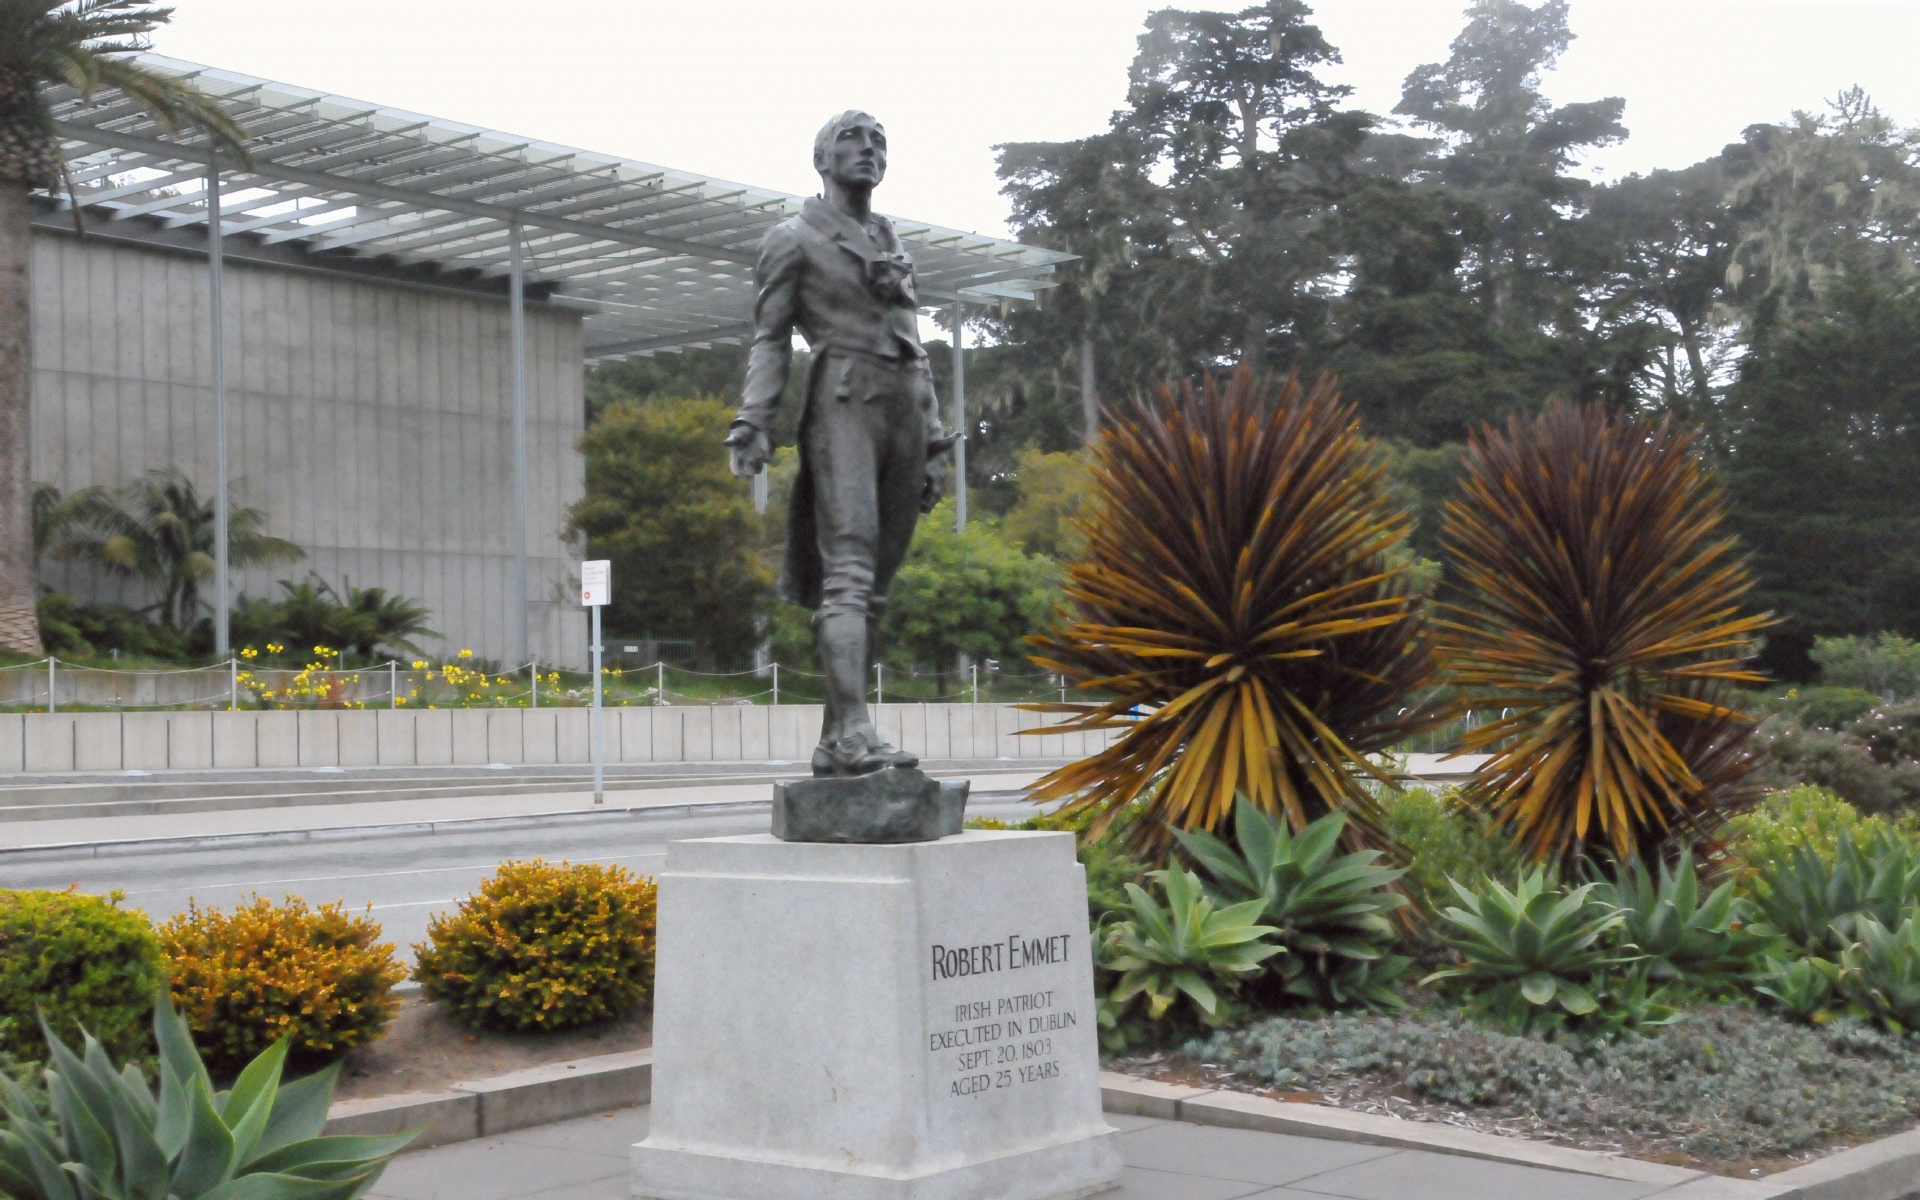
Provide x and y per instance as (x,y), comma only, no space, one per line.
(1237,604)
(1593,604)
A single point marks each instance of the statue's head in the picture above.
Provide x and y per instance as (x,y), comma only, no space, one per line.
(851,150)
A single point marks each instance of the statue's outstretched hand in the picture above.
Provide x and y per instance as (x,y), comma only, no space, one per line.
(749,449)
(939,450)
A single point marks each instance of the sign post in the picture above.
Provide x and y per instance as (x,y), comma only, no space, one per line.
(595,591)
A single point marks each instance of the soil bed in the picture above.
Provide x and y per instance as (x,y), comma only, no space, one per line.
(423,1051)
(1738,1094)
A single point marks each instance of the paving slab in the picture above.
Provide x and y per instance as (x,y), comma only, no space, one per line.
(587,1159)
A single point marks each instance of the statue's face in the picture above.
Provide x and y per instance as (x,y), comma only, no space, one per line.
(858,156)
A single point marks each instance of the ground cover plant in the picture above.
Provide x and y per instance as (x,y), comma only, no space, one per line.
(1728,1083)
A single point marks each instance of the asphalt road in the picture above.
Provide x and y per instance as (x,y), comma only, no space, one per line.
(405,879)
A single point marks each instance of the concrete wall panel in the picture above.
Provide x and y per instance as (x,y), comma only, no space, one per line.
(395,732)
(669,730)
(236,739)
(506,736)
(696,734)
(49,742)
(13,742)
(190,741)
(277,739)
(144,745)
(319,735)
(433,737)
(629,735)
(573,735)
(359,738)
(541,741)
(754,738)
(96,742)
(469,736)
(726,744)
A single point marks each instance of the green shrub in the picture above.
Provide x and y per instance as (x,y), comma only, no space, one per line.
(81,960)
(1189,948)
(1729,1082)
(1329,913)
(1793,754)
(543,947)
(1534,957)
(1684,940)
(1801,988)
(117,1136)
(1765,836)
(245,980)
(1886,664)
(70,627)
(1822,707)
(1445,841)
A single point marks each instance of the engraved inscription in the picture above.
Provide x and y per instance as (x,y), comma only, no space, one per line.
(1004,1041)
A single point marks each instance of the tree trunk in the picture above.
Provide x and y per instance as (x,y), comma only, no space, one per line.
(19,623)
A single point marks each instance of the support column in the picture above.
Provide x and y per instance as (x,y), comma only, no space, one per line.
(1089,398)
(960,416)
(518,627)
(216,269)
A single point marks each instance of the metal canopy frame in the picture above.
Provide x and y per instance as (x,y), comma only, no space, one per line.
(654,259)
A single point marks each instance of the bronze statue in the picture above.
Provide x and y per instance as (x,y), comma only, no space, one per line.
(872,452)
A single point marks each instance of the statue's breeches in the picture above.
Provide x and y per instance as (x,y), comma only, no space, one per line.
(865,441)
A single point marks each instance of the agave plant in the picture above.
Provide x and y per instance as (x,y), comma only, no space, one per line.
(1188,948)
(1330,912)
(1594,606)
(1801,987)
(1880,973)
(1530,956)
(1241,606)
(117,1140)
(1707,944)
(1817,905)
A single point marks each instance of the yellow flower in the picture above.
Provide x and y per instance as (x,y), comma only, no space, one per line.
(465,654)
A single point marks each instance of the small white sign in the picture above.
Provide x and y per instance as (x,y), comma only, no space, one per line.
(596,585)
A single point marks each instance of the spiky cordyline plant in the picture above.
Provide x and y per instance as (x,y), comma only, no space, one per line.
(1594,607)
(1238,603)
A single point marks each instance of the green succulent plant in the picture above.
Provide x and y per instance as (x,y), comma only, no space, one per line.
(1802,988)
(1329,911)
(1530,955)
(1880,973)
(1707,945)
(1816,904)
(1190,947)
(114,1138)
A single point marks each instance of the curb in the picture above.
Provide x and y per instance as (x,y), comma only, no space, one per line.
(1888,1169)
(269,837)
(484,1107)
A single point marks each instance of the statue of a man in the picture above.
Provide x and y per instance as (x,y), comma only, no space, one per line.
(872,453)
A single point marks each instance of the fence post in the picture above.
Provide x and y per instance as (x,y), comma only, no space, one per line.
(879,684)
(533,683)
(776,683)
(393,685)
(975,668)
(53,702)
(233,684)
(660,687)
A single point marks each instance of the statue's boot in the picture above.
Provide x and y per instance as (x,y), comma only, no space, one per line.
(850,745)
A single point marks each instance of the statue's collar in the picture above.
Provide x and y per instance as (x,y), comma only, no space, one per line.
(869,242)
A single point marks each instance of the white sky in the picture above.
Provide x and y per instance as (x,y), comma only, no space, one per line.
(729,89)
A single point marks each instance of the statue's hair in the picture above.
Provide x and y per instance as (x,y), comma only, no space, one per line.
(831,130)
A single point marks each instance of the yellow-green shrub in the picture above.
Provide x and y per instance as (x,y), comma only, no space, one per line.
(1763,836)
(81,960)
(543,947)
(243,979)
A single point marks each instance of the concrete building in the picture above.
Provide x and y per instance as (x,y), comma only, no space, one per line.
(406,306)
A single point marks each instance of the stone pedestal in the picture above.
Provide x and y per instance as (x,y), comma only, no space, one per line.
(875,1022)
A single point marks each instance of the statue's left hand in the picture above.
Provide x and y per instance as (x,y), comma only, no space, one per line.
(939,450)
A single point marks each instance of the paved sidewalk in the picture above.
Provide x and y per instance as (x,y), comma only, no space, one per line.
(1166,1160)
(450,808)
